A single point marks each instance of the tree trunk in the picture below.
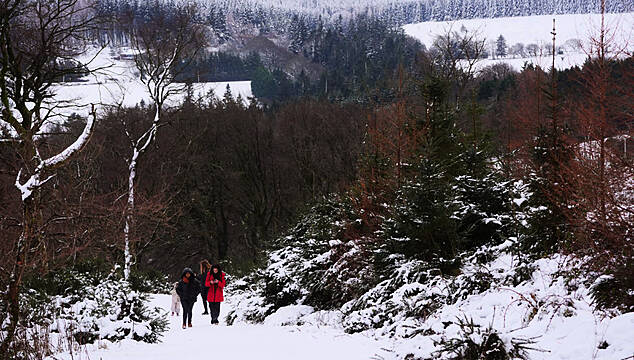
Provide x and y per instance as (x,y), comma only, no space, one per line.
(129,217)
(13,289)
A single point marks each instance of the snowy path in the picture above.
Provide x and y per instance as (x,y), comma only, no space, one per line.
(240,341)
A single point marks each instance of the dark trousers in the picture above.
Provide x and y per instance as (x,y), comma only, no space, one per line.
(187,311)
(203,296)
(214,308)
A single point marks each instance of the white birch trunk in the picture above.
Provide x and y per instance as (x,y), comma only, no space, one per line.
(149,137)
(129,217)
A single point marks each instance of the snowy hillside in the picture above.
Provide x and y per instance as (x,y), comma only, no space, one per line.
(533,33)
(549,316)
(116,82)
(404,11)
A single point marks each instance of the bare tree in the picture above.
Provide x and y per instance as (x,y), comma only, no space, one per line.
(38,39)
(161,44)
(603,215)
(517,50)
(457,55)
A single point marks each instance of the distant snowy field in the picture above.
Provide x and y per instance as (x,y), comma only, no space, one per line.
(535,30)
(115,82)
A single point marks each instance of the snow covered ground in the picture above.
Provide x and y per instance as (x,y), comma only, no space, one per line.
(559,323)
(545,306)
(241,341)
(535,30)
(116,81)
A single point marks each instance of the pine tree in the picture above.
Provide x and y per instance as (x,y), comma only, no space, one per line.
(299,34)
(500,49)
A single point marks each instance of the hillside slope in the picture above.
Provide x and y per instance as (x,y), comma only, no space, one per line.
(573,32)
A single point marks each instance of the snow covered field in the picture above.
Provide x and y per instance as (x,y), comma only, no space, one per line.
(116,82)
(535,30)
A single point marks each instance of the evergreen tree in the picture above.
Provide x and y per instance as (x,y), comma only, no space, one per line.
(299,35)
(501,47)
(263,84)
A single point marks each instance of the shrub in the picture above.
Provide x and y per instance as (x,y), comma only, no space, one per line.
(86,303)
(477,343)
(152,282)
(615,291)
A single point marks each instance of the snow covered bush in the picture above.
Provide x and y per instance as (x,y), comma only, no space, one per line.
(251,306)
(89,304)
(328,269)
(473,342)
(109,311)
(315,264)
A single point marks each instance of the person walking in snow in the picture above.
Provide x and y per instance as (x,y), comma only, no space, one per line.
(216,283)
(176,301)
(188,289)
(205,266)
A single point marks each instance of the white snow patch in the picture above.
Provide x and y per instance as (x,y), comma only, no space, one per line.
(288,315)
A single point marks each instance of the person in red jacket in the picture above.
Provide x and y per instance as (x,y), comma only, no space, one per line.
(216,283)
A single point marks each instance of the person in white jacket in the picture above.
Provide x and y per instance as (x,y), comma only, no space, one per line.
(176,301)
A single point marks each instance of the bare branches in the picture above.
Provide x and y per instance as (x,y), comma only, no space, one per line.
(37,40)
(457,53)
(161,43)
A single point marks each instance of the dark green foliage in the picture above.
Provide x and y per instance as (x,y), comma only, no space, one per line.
(456,201)
(551,184)
(422,226)
(69,280)
(312,265)
(279,292)
(547,230)
(475,284)
(151,282)
(523,272)
(483,209)
(263,84)
(615,291)
(219,66)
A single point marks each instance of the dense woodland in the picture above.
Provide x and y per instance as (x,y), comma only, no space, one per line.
(227,177)
(408,149)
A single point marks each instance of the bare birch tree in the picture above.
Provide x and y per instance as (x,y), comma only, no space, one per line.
(38,41)
(161,44)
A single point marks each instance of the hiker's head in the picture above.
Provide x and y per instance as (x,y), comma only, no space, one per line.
(204,266)
(187,274)
(215,268)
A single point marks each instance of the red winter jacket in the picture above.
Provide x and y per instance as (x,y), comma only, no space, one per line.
(215,293)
